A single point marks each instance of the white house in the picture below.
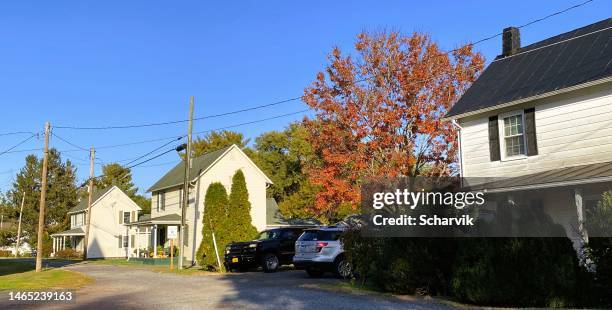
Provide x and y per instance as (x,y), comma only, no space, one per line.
(540,119)
(111,211)
(166,197)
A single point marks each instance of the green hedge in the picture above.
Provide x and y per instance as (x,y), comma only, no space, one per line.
(518,272)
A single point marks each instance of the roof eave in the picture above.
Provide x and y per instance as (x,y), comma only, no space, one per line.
(532,98)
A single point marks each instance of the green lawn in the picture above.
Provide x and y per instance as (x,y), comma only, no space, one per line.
(21,276)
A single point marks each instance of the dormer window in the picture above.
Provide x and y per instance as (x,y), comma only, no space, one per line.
(513,142)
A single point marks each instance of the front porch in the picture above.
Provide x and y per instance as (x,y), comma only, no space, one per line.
(155,246)
(74,237)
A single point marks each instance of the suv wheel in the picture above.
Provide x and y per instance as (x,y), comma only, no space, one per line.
(314,273)
(343,268)
(270,262)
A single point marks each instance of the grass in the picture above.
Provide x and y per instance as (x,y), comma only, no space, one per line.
(21,276)
(154,268)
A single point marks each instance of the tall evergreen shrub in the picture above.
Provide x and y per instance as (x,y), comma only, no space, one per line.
(216,206)
(239,214)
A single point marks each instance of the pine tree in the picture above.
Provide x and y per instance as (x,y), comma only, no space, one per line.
(61,196)
(240,210)
(214,220)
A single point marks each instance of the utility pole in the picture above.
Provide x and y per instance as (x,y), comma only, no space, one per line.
(43,197)
(92,156)
(19,226)
(185,186)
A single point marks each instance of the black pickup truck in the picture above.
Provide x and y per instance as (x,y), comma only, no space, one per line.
(270,249)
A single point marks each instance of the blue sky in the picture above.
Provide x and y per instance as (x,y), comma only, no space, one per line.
(99,63)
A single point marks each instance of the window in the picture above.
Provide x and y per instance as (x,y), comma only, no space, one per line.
(161,201)
(125,241)
(126,217)
(513,132)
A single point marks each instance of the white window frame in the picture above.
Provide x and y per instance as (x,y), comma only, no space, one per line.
(502,136)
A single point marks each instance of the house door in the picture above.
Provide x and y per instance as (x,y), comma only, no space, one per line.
(161,235)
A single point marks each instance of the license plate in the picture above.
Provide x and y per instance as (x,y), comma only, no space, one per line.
(234,259)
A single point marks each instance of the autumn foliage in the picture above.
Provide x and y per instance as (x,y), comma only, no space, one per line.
(380,114)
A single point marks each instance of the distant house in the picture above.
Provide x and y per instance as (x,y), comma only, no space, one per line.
(166,197)
(111,211)
(540,118)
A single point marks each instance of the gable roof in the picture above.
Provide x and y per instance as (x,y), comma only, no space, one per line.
(560,63)
(97,194)
(199,165)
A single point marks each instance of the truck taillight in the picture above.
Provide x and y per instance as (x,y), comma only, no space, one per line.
(321,245)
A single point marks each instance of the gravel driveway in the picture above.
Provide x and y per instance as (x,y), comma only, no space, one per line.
(120,287)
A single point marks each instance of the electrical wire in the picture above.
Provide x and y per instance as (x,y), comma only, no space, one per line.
(300,97)
(152,158)
(18,144)
(153,151)
(16,133)
(68,142)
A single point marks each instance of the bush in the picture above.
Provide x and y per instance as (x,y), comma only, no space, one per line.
(4,253)
(214,221)
(239,213)
(516,272)
(68,253)
(540,272)
(402,265)
(599,248)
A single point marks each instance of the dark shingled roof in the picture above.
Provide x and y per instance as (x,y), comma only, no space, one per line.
(82,205)
(175,176)
(549,65)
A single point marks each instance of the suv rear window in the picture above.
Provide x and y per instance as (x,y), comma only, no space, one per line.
(320,235)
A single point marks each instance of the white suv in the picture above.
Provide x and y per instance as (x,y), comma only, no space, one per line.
(320,250)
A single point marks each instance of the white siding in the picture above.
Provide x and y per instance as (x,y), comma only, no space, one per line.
(171,199)
(105,227)
(572,129)
(223,171)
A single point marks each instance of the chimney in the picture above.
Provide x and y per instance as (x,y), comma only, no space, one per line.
(511,41)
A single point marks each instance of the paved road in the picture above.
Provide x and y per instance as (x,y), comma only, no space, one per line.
(120,287)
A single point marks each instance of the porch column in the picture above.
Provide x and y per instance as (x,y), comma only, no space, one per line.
(154,240)
(584,237)
(129,247)
(63,242)
(54,244)
(137,241)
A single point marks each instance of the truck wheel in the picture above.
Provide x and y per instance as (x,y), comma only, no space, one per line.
(343,268)
(270,262)
(314,273)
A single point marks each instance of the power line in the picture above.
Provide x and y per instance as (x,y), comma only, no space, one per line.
(69,143)
(522,26)
(18,144)
(182,121)
(16,133)
(154,150)
(150,159)
(300,97)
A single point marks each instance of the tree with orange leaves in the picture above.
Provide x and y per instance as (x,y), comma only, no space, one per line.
(380,114)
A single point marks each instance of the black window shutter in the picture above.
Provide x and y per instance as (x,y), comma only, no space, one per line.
(530,132)
(494,139)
